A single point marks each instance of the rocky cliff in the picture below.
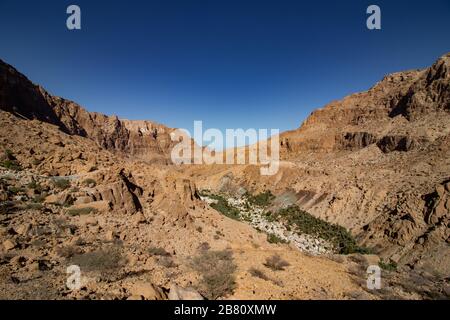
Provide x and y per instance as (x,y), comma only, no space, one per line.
(142,140)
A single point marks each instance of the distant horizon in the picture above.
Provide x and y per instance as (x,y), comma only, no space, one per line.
(232,64)
(204,144)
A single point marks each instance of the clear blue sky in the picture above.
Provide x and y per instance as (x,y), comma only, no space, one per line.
(232,64)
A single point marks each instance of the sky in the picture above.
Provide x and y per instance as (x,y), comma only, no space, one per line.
(231,64)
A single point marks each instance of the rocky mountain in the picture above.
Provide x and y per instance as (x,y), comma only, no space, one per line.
(392,115)
(144,140)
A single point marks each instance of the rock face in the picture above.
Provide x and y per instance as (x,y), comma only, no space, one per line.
(366,118)
(143,140)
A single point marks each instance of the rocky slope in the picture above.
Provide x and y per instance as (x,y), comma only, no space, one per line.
(137,231)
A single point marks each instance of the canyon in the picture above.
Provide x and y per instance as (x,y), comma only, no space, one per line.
(77,185)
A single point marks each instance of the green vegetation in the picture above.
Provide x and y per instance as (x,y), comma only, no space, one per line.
(276,263)
(263,199)
(217,270)
(34,206)
(273,238)
(35,186)
(61,183)
(9,161)
(389,266)
(104,260)
(224,207)
(258,274)
(81,211)
(11,164)
(89,182)
(15,190)
(306,223)
(158,251)
(39,198)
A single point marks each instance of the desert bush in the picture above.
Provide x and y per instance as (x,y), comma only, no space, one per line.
(34,206)
(10,164)
(39,198)
(389,266)
(89,182)
(15,190)
(8,207)
(81,211)
(9,155)
(217,271)
(158,251)
(61,183)
(258,274)
(35,186)
(166,261)
(273,238)
(276,263)
(68,251)
(9,161)
(204,246)
(263,199)
(104,260)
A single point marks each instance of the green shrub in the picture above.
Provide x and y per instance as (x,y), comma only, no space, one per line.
(9,155)
(89,182)
(389,266)
(61,183)
(11,164)
(15,190)
(39,198)
(217,271)
(273,238)
(34,206)
(276,263)
(35,186)
(258,274)
(103,260)
(81,211)
(338,236)
(263,199)
(10,161)
(224,207)
(158,251)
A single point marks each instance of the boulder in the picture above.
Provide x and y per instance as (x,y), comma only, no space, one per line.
(9,244)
